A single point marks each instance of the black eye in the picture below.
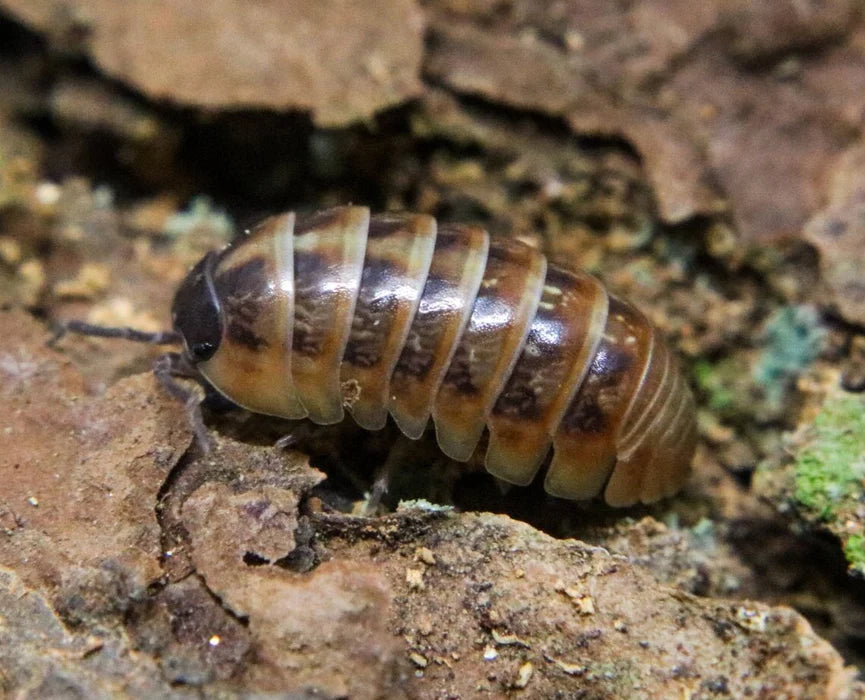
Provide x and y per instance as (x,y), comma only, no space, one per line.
(196,311)
(202,351)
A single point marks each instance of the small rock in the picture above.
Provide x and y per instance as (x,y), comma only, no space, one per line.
(569,668)
(91,281)
(753,620)
(524,675)
(425,555)
(414,579)
(32,275)
(853,370)
(508,639)
(585,604)
(10,251)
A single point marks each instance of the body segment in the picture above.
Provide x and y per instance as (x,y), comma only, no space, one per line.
(395,314)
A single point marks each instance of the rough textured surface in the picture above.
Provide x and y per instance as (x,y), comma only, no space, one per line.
(824,481)
(838,230)
(525,610)
(41,657)
(108,466)
(573,613)
(278,596)
(308,629)
(268,54)
(732,107)
(750,120)
(673,150)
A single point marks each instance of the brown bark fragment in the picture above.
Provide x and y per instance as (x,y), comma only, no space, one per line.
(235,54)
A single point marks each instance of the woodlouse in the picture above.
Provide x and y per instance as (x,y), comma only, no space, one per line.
(393,313)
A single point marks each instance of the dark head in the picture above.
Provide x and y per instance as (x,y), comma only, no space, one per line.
(195,312)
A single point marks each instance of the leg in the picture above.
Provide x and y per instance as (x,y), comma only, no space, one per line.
(401,447)
(166,368)
(300,432)
(286,441)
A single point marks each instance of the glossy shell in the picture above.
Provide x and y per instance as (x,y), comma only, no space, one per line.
(395,314)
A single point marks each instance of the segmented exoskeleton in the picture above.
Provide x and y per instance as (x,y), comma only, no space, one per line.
(394,313)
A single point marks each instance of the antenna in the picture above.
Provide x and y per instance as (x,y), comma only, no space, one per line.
(137,336)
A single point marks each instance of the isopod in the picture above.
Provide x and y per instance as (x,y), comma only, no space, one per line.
(395,314)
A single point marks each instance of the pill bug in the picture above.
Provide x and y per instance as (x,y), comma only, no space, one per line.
(396,314)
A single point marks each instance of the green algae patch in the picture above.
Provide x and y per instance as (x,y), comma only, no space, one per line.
(854,551)
(726,385)
(829,472)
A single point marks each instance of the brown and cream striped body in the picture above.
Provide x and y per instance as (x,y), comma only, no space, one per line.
(395,314)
